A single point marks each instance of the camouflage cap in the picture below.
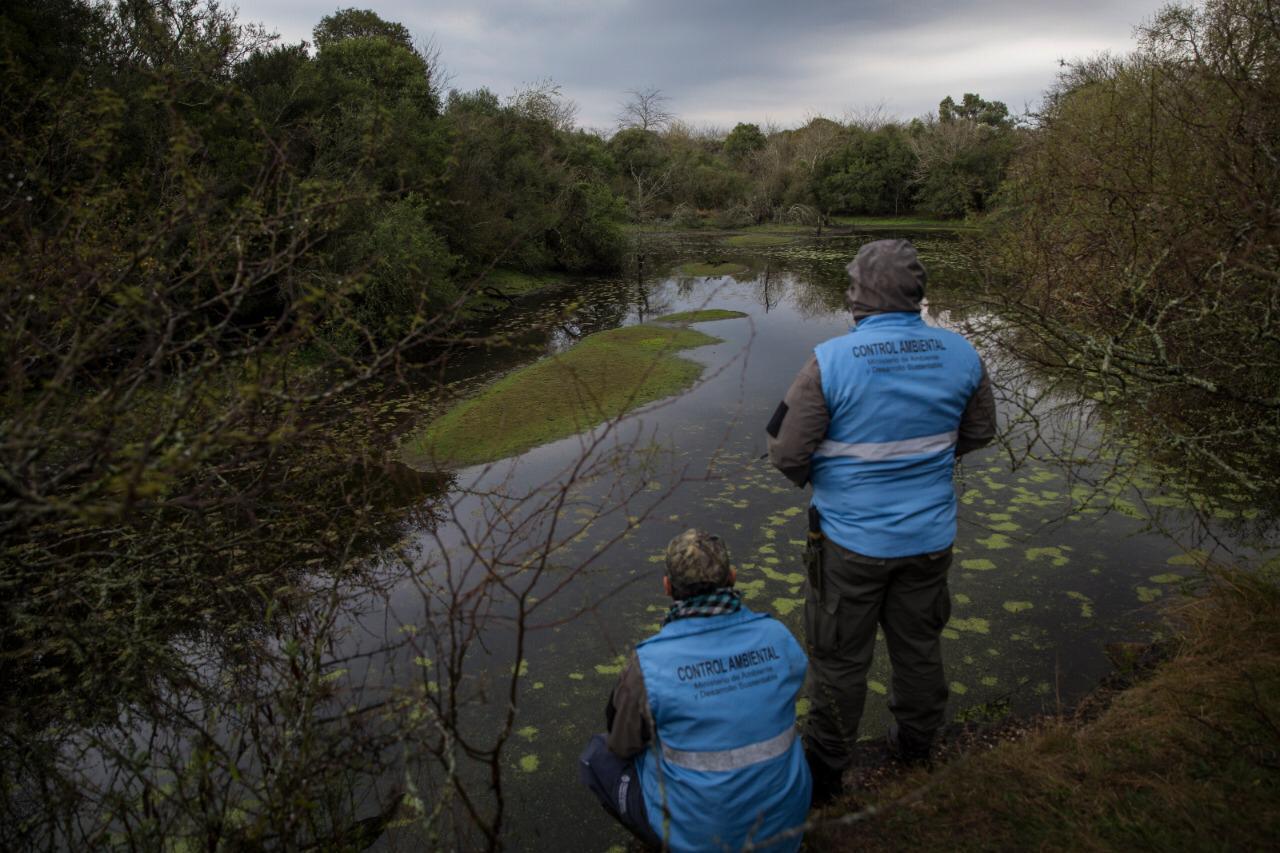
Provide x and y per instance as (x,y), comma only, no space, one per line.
(696,557)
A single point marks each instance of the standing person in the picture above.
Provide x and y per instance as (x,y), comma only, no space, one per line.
(875,421)
(701,751)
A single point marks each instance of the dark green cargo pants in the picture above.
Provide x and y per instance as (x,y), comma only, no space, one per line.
(908,598)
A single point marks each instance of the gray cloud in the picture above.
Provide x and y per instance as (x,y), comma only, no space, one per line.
(721,62)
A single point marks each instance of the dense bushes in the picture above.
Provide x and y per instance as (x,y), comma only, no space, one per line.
(1141,227)
(947,165)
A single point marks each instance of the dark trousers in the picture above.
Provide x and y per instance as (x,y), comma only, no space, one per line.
(908,598)
(613,781)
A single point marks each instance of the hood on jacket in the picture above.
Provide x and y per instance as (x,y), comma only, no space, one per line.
(885,275)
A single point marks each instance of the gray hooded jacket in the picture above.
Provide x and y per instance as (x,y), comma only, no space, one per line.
(885,276)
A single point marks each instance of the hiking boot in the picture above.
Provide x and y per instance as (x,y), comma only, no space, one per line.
(828,782)
(908,747)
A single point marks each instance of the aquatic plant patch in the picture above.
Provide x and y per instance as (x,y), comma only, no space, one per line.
(606,375)
(749,240)
(703,269)
(705,316)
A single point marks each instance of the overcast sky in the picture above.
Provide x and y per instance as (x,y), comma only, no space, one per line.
(725,61)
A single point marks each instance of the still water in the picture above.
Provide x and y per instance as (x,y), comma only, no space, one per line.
(1052,562)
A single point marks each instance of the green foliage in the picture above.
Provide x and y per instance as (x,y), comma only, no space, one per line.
(213,250)
(974,108)
(871,172)
(636,150)
(742,141)
(1139,230)
(961,155)
(359,24)
(526,193)
(407,269)
(589,236)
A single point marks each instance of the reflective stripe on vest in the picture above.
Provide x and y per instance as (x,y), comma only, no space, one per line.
(883,450)
(732,759)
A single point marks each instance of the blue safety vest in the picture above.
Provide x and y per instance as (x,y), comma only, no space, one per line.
(896,389)
(726,764)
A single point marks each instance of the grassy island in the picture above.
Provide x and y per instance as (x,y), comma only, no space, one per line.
(605,375)
(758,240)
(707,269)
(706,315)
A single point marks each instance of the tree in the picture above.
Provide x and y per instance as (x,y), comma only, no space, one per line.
(359,23)
(742,141)
(545,101)
(975,109)
(1137,243)
(813,144)
(646,110)
(961,154)
(645,165)
(871,173)
(222,263)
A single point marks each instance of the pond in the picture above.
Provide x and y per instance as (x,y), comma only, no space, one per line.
(547,567)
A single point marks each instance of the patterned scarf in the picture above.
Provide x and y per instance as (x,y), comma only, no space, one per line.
(721,601)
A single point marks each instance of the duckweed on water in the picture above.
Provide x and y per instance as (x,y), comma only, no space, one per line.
(1017,606)
(876,687)
(784,577)
(1051,553)
(528,732)
(976,625)
(1167,578)
(961,598)
(995,542)
(614,668)
(1148,594)
(958,688)
(784,606)
(529,763)
(1086,603)
(977,564)
(1191,558)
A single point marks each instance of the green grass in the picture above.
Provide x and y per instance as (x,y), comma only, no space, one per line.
(704,316)
(697,268)
(605,375)
(905,223)
(1184,760)
(751,240)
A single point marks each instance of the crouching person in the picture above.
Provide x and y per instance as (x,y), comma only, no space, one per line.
(701,751)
